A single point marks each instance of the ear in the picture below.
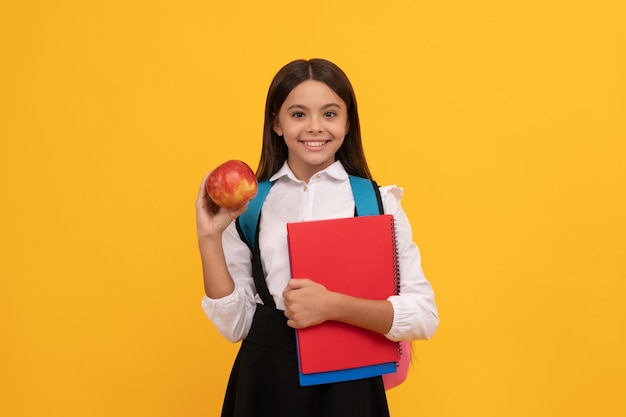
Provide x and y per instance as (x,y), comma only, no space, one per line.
(276,126)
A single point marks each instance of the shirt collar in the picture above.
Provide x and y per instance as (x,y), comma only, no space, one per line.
(335,170)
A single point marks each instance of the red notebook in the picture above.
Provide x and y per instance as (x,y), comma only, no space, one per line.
(355,256)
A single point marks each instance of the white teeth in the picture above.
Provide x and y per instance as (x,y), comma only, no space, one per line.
(320,143)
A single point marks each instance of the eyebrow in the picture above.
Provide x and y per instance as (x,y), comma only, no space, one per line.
(302,106)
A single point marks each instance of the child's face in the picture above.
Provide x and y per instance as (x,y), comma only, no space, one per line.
(313,121)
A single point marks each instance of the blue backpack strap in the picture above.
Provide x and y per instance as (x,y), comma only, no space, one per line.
(248,221)
(366,196)
(248,228)
(367,202)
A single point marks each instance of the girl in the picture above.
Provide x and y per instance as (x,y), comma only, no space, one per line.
(311,142)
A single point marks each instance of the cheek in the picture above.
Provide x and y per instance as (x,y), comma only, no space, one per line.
(288,132)
(290,135)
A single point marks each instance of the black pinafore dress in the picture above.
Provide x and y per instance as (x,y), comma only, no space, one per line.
(264,380)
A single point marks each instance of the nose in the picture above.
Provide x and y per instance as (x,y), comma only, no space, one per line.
(315,126)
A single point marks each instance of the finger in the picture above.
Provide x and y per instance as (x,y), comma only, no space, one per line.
(202,191)
(291,322)
(297,283)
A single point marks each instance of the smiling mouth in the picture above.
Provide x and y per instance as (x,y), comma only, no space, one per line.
(315,143)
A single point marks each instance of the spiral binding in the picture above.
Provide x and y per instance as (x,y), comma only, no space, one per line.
(396,272)
(396,256)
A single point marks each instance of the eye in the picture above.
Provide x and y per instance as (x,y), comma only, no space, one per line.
(297,115)
(330,114)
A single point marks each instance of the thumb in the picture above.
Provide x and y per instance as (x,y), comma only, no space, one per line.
(297,283)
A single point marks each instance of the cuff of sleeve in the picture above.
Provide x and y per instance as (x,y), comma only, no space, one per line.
(399,316)
(231,315)
(409,324)
(217,308)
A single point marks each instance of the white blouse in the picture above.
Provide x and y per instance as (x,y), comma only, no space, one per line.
(327,195)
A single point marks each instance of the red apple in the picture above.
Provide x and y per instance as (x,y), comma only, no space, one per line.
(231,184)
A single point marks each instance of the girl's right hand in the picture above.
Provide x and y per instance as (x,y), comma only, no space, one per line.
(211,219)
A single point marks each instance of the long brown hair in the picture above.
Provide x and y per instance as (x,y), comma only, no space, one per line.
(274,151)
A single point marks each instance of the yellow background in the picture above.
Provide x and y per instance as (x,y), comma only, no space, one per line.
(502,120)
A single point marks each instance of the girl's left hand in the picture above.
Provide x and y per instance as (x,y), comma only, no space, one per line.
(307,303)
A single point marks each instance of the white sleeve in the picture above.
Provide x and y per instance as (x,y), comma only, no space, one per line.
(232,314)
(415,312)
